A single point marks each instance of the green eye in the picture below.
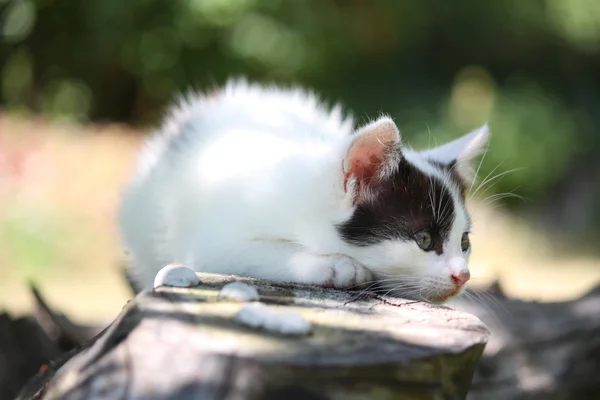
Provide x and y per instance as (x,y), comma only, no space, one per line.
(464,242)
(423,239)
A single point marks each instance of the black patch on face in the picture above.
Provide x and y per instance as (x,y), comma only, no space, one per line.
(453,175)
(405,203)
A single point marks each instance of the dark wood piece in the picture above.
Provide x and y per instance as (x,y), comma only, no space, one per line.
(538,351)
(24,349)
(36,343)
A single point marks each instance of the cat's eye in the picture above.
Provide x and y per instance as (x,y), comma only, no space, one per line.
(423,239)
(465,243)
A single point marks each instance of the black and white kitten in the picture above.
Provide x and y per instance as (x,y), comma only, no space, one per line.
(266,182)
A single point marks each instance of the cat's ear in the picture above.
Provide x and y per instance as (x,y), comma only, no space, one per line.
(370,155)
(458,154)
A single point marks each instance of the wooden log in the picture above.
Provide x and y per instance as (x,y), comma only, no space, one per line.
(181,343)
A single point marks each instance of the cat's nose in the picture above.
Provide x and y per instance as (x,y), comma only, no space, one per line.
(461,277)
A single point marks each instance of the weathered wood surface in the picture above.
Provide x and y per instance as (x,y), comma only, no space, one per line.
(182,343)
(538,351)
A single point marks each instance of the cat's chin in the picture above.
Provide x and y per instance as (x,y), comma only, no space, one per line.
(447,295)
(437,299)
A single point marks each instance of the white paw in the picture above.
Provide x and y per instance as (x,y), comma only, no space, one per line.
(338,271)
(176,275)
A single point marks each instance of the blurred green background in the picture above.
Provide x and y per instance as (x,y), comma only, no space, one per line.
(529,68)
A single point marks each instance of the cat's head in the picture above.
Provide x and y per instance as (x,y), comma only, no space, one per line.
(409,223)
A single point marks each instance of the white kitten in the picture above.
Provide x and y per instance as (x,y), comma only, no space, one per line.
(266,182)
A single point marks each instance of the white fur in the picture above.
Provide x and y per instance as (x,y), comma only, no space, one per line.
(249,181)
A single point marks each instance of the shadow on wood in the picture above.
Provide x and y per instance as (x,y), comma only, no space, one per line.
(537,351)
(187,343)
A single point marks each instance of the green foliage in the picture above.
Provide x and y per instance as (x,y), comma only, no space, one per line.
(29,242)
(530,68)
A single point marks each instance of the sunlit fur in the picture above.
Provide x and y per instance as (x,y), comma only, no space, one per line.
(249,181)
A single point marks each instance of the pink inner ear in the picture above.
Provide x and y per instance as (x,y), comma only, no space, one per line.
(365,158)
(369,150)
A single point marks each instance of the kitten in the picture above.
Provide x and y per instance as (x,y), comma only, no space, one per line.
(266,182)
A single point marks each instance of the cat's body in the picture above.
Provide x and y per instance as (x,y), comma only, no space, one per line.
(265,182)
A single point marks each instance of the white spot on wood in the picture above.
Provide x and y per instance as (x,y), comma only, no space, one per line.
(239,291)
(259,315)
(176,275)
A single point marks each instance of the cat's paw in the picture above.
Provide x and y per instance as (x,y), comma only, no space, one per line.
(336,270)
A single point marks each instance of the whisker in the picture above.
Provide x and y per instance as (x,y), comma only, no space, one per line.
(489,297)
(486,178)
(479,166)
(374,282)
(490,306)
(402,291)
(396,281)
(499,196)
(431,183)
(444,188)
(499,175)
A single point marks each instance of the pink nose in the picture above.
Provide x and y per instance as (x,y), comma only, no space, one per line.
(460,278)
